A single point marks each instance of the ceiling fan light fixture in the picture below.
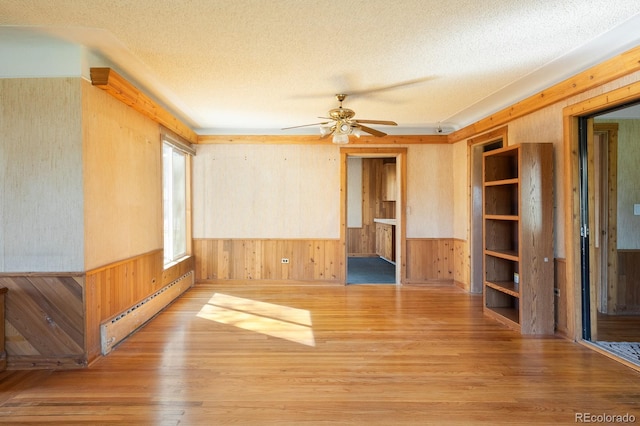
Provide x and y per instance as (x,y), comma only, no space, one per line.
(340,138)
(326,130)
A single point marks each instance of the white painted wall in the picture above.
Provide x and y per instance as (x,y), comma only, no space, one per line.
(38,56)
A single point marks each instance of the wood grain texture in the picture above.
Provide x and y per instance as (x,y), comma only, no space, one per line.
(560,309)
(44,321)
(382,355)
(122,180)
(118,87)
(462,264)
(312,139)
(628,289)
(429,260)
(616,67)
(113,288)
(244,259)
(362,241)
(3,352)
(596,103)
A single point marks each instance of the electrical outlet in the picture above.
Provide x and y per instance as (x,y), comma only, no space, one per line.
(285,260)
(636,209)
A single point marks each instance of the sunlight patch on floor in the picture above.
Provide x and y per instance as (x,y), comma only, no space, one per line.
(283,322)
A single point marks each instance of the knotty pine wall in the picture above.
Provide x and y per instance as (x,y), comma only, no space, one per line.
(255,260)
(80,219)
(256,203)
(542,125)
(361,241)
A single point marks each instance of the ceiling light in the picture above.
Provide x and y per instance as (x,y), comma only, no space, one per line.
(340,138)
(326,130)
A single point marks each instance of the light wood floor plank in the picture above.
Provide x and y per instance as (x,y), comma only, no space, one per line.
(381,355)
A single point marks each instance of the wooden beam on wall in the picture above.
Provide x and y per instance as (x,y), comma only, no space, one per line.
(315,139)
(614,68)
(118,87)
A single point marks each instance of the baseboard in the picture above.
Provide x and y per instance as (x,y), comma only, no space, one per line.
(121,326)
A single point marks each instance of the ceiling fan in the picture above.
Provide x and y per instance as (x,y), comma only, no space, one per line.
(342,124)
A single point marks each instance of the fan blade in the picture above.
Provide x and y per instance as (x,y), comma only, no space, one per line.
(305,125)
(398,85)
(387,123)
(369,130)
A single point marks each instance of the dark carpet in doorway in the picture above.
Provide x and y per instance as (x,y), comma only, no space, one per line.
(370,270)
(626,350)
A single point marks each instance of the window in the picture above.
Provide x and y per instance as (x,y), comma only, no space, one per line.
(174,197)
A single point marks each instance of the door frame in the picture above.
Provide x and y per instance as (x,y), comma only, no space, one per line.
(606,203)
(400,154)
(571,117)
(476,250)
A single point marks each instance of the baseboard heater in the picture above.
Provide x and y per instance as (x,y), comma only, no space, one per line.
(118,328)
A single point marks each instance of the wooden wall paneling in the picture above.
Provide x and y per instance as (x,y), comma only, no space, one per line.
(362,241)
(461,264)
(429,260)
(3,353)
(45,321)
(315,140)
(561,295)
(118,87)
(114,288)
(243,259)
(174,271)
(607,71)
(628,288)
(613,98)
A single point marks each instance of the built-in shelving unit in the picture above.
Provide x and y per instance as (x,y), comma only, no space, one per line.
(518,236)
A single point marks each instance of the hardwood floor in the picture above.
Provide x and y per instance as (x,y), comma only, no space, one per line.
(354,355)
(619,328)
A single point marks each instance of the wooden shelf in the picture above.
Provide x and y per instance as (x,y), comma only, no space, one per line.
(518,180)
(501,217)
(513,181)
(503,254)
(507,287)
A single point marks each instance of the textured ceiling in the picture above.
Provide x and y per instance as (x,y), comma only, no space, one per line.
(255,66)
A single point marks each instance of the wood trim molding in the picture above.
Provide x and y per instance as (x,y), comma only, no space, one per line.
(571,115)
(400,153)
(494,135)
(314,139)
(121,89)
(609,70)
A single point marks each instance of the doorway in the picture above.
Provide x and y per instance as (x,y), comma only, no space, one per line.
(610,230)
(372,212)
(478,146)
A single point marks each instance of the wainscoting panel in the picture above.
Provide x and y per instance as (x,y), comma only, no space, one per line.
(561,297)
(430,260)
(243,259)
(462,264)
(627,295)
(44,321)
(114,288)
